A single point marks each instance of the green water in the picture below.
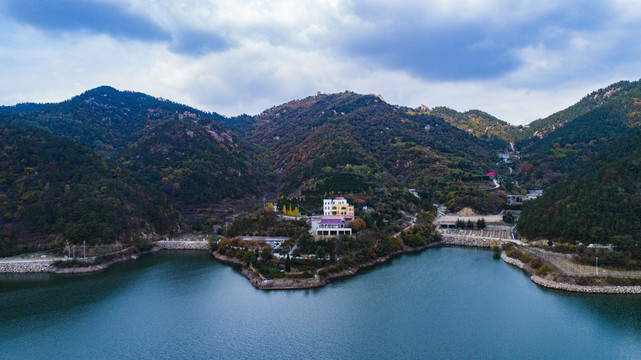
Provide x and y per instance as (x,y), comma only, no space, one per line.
(442,303)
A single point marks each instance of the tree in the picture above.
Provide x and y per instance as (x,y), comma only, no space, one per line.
(284,210)
(357,224)
(508,218)
(296,212)
(460,224)
(248,256)
(615,258)
(469,224)
(288,264)
(480,224)
(266,253)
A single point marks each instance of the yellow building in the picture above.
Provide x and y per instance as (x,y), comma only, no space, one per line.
(338,206)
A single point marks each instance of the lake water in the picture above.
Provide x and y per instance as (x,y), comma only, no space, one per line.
(442,303)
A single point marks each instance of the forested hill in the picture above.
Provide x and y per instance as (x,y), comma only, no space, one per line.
(542,127)
(599,202)
(614,113)
(103,119)
(53,190)
(477,123)
(369,143)
(196,163)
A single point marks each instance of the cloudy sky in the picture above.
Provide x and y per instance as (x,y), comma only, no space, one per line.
(516,59)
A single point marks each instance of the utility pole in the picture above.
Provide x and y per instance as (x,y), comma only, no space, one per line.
(74,251)
(84,249)
(264,201)
(597,266)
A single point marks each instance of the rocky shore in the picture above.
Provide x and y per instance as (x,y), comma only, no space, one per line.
(471,241)
(553,284)
(27,266)
(181,245)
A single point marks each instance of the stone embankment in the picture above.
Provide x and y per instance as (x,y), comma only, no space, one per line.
(512,261)
(552,284)
(181,245)
(585,288)
(471,241)
(46,265)
(27,266)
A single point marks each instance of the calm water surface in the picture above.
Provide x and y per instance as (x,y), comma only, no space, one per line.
(442,303)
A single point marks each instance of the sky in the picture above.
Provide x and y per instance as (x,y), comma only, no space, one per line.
(518,60)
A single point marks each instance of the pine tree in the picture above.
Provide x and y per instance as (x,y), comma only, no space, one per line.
(288,264)
(296,212)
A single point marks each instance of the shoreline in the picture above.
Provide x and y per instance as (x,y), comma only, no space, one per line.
(46,266)
(550,283)
(296,284)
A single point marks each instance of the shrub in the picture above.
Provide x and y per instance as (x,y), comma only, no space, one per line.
(543,270)
(526,258)
(582,280)
(514,253)
(536,263)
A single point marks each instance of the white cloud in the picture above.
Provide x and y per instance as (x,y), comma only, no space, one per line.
(282,50)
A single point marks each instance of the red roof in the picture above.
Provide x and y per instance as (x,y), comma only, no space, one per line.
(339,198)
(491,174)
(359,201)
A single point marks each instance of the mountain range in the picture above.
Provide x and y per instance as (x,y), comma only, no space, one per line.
(136,164)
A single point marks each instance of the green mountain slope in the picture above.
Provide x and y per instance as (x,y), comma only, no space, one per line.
(477,123)
(350,142)
(53,190)
(542,127)
(599,202)
(563,149)
(197,163)
(103,119)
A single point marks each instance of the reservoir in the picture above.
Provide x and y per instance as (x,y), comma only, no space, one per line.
(443,303)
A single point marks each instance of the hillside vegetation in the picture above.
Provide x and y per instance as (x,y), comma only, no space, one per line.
(195,164)
(613,113)
(53,191)
(103,119)
(600,202)
(358,143)
(478,123)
